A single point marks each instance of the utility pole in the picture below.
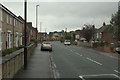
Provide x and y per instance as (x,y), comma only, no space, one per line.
(45,33)
(25,32)
(65,33)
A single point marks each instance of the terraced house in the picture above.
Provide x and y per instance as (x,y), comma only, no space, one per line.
(10,29)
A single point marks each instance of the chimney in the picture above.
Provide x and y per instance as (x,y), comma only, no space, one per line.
(104,24)
(93,26)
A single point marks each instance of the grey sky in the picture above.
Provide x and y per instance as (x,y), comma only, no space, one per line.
(61,15)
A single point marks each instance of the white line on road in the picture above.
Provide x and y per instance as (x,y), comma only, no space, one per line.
(81,76)
(54,65)
(116,71)
(79,54)
(94,61)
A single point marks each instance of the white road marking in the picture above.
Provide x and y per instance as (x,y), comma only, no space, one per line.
(81,76)
(116,71)
(79,54)
(94,61)
(54,65)
(116,76)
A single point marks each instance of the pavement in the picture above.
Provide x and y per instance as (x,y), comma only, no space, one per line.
(38,65)
(73,62)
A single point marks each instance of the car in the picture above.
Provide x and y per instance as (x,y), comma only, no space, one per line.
(46,46)
(67,42)
(118,49)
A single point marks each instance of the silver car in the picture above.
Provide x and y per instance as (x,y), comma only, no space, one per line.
(46,46)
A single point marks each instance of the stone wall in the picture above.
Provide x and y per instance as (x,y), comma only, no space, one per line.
(14,62)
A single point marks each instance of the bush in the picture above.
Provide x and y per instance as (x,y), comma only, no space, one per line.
(10,50)
(33,41)
(101,43)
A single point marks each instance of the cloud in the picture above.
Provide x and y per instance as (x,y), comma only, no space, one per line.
(73,15)
(60,0)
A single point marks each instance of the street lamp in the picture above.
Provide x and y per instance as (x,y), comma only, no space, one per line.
(25,43)
(36,19)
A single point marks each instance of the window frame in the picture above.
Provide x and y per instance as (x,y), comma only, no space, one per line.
(7,18)
(1,15)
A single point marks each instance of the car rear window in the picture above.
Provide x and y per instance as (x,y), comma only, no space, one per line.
(46,43)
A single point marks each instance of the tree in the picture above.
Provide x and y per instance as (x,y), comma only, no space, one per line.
(88,32)
(114,27)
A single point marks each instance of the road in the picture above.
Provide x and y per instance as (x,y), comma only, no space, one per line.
(72,61)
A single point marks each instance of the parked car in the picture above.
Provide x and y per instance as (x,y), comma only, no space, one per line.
(67,42)
(46,46)
(118,49)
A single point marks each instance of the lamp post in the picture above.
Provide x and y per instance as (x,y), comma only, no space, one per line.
(25,43)
(36,19)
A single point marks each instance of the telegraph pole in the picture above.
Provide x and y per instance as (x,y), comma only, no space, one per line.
(25,32)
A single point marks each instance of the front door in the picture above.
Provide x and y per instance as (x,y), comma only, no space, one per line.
(8,40)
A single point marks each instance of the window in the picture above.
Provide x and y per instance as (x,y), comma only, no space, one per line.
(18,24)
(10,20)
(100,35)
(16,39)
(97,36)
(14,22)
(21,39)
(1,15)
(7,18)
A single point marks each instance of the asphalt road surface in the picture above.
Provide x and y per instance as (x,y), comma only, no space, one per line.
(74,62)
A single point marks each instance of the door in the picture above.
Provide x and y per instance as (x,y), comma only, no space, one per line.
(8,40)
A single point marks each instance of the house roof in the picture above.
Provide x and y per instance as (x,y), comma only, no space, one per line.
(11,13)
(103,29)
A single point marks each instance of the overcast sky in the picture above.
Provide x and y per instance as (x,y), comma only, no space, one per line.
(56,16)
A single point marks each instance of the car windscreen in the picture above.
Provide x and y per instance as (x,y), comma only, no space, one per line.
(67,41)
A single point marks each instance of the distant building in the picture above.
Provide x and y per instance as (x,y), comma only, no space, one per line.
(42,36)
(10,29)
(56,36)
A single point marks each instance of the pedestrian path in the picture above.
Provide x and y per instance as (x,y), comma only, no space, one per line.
(38,65)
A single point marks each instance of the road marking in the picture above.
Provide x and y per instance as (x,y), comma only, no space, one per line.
(94,61)
(116,71)
(79,54)
(54,65)
(81,76)
(106,55)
